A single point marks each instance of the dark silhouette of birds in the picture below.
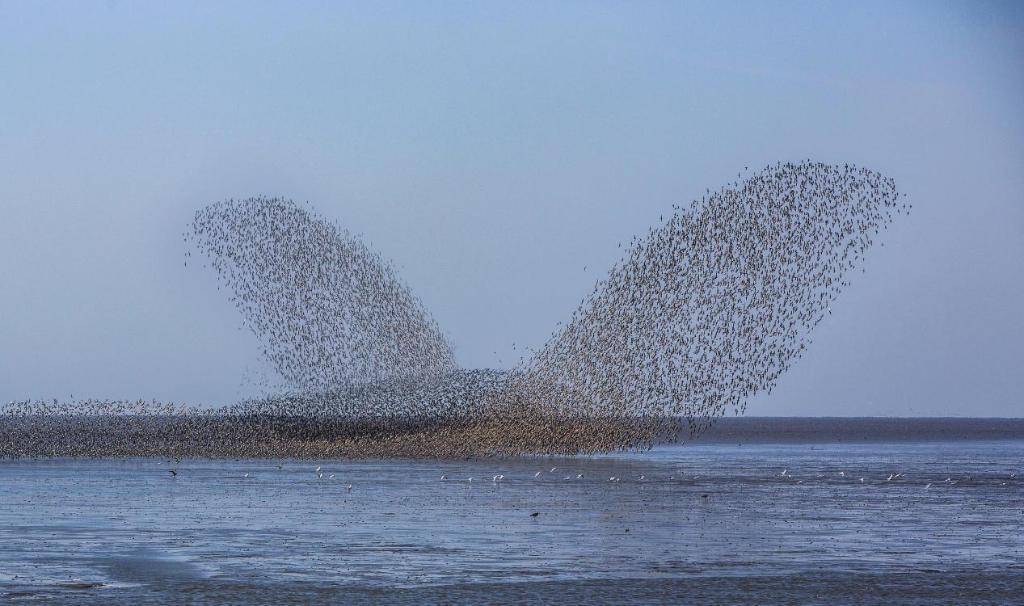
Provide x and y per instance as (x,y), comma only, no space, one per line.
(705,310)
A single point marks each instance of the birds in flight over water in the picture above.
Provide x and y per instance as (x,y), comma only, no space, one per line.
(706,309)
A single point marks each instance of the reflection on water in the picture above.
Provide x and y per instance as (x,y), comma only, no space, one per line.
(704,520)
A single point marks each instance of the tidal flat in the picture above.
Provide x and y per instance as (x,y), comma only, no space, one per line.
(737,519)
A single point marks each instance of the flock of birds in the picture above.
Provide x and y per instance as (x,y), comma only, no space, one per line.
(707,309)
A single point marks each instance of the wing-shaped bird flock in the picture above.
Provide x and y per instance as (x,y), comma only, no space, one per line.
(705,310)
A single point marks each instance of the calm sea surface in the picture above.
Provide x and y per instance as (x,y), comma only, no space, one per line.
(753,520)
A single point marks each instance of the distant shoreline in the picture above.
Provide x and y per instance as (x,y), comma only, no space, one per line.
(860,429)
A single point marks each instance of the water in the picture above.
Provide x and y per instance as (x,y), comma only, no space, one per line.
(709,523)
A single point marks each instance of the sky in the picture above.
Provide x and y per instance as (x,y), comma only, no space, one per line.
(497,153)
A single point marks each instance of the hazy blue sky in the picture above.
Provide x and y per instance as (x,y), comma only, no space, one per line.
(492,151)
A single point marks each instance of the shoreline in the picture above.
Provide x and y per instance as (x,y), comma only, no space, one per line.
(244,437)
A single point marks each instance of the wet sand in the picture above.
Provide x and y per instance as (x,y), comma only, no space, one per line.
(710,523)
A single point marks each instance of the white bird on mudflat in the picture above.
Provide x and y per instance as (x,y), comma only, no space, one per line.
(553,469)
(349,487)
(444,477)
(928,485)
(784,472)
(537,475)
(318,469)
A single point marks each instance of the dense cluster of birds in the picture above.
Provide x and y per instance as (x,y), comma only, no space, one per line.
(714,304)
(707,309)
(327,308)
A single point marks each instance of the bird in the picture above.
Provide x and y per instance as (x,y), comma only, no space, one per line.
(700,313)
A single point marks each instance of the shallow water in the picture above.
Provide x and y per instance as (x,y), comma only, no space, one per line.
(711,523)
